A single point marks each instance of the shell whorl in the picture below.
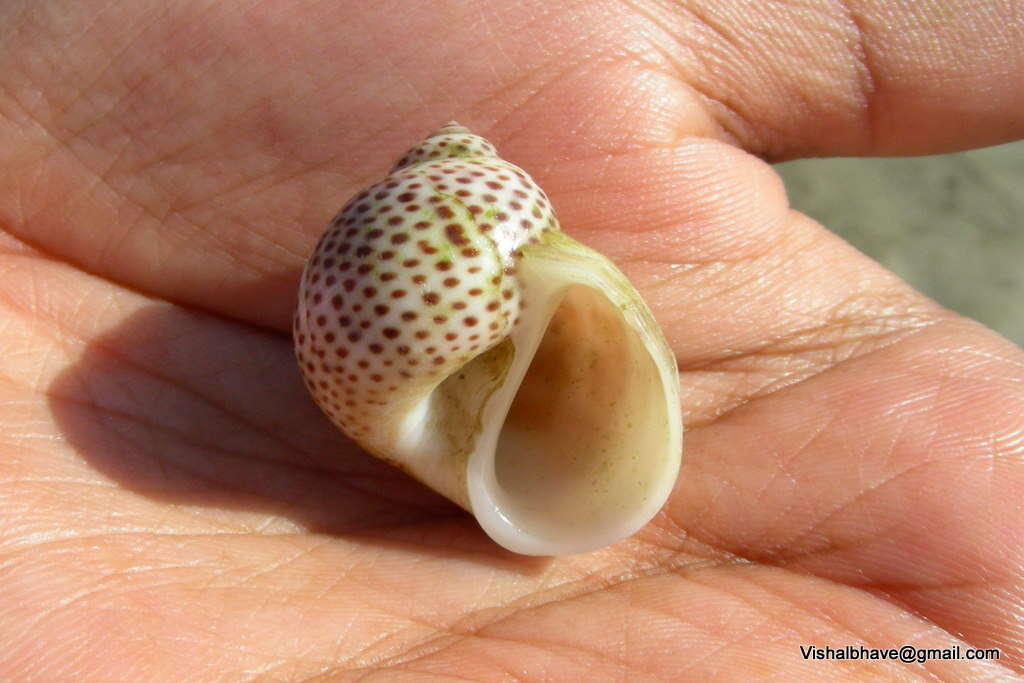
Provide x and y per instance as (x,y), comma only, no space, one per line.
(416,276)
(451,141)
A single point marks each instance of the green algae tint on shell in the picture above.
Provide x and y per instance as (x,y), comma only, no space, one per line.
(448,325)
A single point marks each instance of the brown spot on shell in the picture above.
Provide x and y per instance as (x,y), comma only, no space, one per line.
(456,234)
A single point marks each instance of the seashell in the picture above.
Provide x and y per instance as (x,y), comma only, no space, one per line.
(448,325)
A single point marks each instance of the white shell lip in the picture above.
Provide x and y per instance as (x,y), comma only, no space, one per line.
(652,396)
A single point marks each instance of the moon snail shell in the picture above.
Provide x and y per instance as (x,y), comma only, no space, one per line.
(447,325)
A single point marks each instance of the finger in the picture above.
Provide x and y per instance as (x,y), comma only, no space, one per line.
(863,77)
(751,296)
(214,201)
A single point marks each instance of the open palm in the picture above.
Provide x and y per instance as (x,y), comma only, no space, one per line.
(174,507)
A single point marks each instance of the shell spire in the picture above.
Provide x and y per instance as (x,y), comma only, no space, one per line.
(448,325)
(450,141)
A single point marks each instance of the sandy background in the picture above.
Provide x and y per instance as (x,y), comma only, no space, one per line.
(951,225)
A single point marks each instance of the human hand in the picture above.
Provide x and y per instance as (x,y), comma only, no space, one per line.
(174,507)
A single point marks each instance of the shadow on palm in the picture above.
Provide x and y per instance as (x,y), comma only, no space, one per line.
(187,409)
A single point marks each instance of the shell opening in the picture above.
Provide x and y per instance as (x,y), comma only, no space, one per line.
(581,459)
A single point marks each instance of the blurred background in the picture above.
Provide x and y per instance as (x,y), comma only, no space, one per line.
(951,225)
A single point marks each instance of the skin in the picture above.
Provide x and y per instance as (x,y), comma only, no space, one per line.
(174,507)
